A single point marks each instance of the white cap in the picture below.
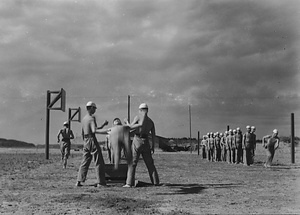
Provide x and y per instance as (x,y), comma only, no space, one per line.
(238,129)
(143,106)
(248,127)
(253,127)
(275,131)
(66,123)
(91,104)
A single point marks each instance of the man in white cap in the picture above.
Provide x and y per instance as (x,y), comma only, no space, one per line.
(271,145)
(91,148)
(65,145)
(229,144)
(248,143)
(218,148)
(143,126)
(224,146)
(253,129)
(239,145)
(203,146)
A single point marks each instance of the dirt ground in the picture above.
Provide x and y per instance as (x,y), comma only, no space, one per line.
(30,184)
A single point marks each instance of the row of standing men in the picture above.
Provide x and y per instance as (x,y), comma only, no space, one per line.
(229,147)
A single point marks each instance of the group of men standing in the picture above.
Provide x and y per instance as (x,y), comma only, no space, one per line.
(142,126)
(229,147)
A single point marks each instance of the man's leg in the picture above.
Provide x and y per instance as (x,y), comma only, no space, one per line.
(270,155)
(67,153)
(248,156)
(233,156)
(242,155)
(146,153)
(99,164)
(238,159)
(65,157)
(229,155)
(62,150)
(130,181)
(84,167)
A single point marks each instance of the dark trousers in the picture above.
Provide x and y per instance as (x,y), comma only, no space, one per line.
(211,154)
(218,153)
(224,155)
(92,150)
(203,152)
(140,146)
(233,155)
(239,158)
(229,156)
(249,156)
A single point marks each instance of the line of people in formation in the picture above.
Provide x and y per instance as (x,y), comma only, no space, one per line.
(229,147)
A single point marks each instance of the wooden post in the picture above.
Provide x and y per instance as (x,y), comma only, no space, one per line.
(292,138)
(69,118)
(49,106)
(128,116)
(47,125)
(198,143)
(190,128)
(129,108)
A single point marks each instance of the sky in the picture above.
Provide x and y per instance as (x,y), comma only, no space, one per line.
(231,63)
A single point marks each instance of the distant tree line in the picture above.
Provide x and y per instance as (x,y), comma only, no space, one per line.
(14,143)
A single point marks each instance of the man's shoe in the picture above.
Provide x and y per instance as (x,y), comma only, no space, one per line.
(101,185)
(127,186)
(78,184)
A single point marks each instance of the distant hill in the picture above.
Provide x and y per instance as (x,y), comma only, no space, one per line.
(8,143)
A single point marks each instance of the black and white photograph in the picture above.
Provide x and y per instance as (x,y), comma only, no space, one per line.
(149,107)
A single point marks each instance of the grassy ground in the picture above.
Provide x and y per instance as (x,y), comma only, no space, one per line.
(190,185)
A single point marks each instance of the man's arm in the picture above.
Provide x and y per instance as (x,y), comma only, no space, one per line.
(100,130)
(103,124)
(153,135)
(58,136)
(264,139)
(136,123)
(71,134)
(254,141)
(277,143)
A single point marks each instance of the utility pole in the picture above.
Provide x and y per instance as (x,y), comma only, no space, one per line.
(292,138)
(128,108)
(190,117)
(198,142)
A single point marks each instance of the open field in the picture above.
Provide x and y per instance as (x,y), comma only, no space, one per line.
(32,185)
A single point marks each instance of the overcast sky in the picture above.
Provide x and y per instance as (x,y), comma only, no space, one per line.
(234,62)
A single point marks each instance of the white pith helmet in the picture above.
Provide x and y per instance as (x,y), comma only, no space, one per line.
(91,104)
(143,106)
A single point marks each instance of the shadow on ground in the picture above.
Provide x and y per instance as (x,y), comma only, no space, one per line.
(181,189)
